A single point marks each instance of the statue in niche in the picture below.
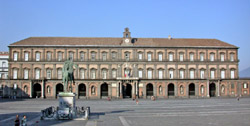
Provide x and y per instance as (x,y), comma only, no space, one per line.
(182,90)
(202,89)
(48,90)
(223,89)
(160,90)
(93,90)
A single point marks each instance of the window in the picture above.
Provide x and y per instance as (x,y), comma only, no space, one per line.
(37,74)
(171,73)
(181,74)
(149,73)
(93,74)
(4,64)
(15,74)
(26,74)
(93,56)
(113,73)
(104,74)
(60,56)
(38,56)
(170,55)
(201,56)
(15,56)
(82,56)
(26,56)
(160,56)
(232,74)
(113,55)
(149,56)
(140,73)
(191,74)
(202,72)
(71,56)
(160,74)
(191,56)
(48,56)
(127,56)
(140,56)
(212,74)
(104,56)
(48,74)
(212,57)
(222,74)
(231,57)
(82,74)
(245,85)
(181,56)
(59,73)
(222,57)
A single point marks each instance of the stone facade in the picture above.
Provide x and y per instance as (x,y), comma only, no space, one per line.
(126,67)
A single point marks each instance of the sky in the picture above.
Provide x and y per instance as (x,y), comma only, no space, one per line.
(226,20)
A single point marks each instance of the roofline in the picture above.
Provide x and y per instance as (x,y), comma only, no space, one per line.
(115,46)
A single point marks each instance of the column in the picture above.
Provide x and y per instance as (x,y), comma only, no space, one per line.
(208,88)
(154,59)
(43,55)
(117,90)
(31,89)
(20,76)
(65,54)
(31,54)
(144,91)
(121,93)
(110,55)
(218,88)
(76,91)
(136,89)
(98,55)
(109,72)
(87,54)
(54,55)
(77,55)
(42,71)
(98,71)
(187,92)
(155,90)
(176,71)
(155,72)
(88,71)
(197,90)
(175,90)
(77,72)
(21,55)
(109,91)
(31,71)
(144,71)
(87,90)
(133,89)
(165,71)
(42,90)
(197,71)
(54,71)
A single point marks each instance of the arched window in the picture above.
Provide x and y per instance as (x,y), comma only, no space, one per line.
(114,73)
(26,56)
(222,57)
(93,56)
(181,73)
(212,55)
(104,56)
(15,73)
(38,56)
(181,54)
(93,73)
(59,56)
(82,73)
(160,73)
(48,74)
(82,56)
(191,56)
(202,56)
(26,74)
(232,73)
(48,56)
(191,73)
(38,71)
(150,73)
(104,73)
(59,73)
(71,56)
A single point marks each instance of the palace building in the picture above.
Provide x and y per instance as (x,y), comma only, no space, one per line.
(125,67)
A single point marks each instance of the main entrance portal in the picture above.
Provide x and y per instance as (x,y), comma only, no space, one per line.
(127,90)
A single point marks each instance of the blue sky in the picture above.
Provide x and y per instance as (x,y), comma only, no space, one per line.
(226,20)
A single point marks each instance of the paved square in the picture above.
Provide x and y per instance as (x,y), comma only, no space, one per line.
(170,112)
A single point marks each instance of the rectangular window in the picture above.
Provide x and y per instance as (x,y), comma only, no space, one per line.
(26,56)
(26,74)
(82,56)
(202,57)
(231,57)
(160,74)
(127,56)
(140,73)
(181,57)
(140,56)
(212,57)
(160,56)
(93,74)
(149,74)
(149,57)
(59,56)
(71,56)
(15,74)
(114,55)
(15,56)
(48,74)
(222,74)
(59,74)
(171,57)
(104,74)
(191,74)
(181,74)
(113,73)
(202,74)
(82,74)
(37,74)
(48,56)
(245,85)
(93,56)
(232,74)
(212,74)
(191,57)
(222,57)
(171,74)
(104,56)
(37,56)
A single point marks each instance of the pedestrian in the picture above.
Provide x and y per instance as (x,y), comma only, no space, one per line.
(238,98)
(137,101)
(17,123)
(24,121)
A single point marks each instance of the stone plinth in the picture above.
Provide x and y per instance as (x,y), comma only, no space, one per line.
(66,100)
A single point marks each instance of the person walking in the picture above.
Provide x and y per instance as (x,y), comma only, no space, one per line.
(24,121)
(17,122)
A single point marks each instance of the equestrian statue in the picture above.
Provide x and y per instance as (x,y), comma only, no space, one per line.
(68,74)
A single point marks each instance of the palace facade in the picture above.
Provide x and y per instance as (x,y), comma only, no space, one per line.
(125,67)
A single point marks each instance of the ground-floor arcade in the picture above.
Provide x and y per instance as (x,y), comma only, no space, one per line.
(128,88)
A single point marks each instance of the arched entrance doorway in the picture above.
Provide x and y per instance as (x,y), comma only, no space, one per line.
(212,90)
(104,90)
(127,90)
(191,89)
(81,90)
(171,90)
(59,88)
(36,90)
(149,90)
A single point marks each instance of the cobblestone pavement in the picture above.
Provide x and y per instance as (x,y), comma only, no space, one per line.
(167,112)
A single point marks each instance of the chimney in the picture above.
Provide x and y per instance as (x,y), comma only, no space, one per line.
(169,37)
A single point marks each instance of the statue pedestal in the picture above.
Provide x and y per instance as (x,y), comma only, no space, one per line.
(66,109)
